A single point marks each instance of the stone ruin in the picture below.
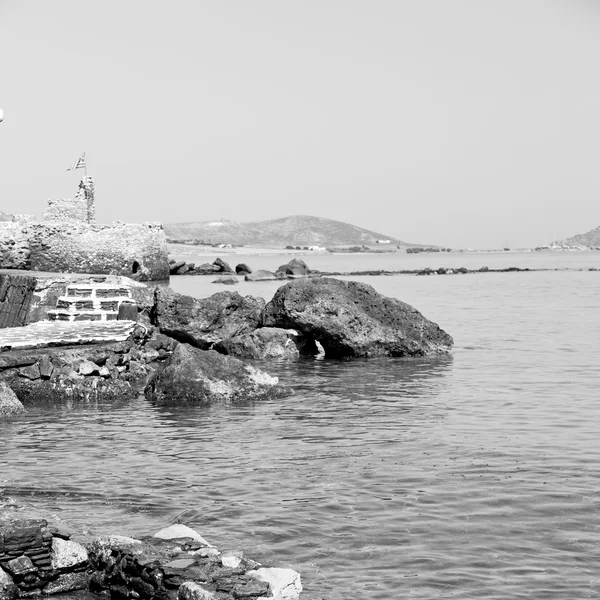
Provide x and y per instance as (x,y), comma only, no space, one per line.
(81,209)
(68,240)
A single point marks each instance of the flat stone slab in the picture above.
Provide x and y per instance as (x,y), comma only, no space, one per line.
(61,333)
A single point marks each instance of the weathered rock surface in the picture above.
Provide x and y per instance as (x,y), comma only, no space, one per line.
(9,403)
(267,342)
(205,322)
(67,553)
(261,275)
(204,376)
(296,266)
(352,319)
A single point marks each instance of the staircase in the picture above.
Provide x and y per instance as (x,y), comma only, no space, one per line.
(90,302)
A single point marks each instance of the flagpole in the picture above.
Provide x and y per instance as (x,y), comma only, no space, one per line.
(85,165)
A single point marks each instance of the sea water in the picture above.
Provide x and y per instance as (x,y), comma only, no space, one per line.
(469,476)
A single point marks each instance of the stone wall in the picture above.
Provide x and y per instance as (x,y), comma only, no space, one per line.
(16,295)
(80,209)
(14,246)
(136,250)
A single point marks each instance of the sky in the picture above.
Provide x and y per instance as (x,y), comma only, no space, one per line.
(462,123)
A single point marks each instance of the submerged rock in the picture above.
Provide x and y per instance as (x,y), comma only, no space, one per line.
(352,319)
(9,403)
(203,376)
(260,275)
(205,322)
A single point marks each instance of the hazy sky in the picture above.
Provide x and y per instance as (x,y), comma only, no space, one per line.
(466,123)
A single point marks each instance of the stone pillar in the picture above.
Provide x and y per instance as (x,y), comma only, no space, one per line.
(86,194)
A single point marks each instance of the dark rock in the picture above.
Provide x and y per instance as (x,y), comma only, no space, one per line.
(223,266)
(267,342)
(204,376)
(207,269)
(183,269)
(45,367)
(260,275)
(352,319)
(242,269)
(19,567)
(67,582)
(205,322)
(174,265)
(127,312)
(296,266)
(31,372)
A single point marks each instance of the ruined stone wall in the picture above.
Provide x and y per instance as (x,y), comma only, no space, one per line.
(81,209)
(14,246)
(136,250)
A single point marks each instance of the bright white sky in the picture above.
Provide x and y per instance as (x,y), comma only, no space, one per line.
(465,123)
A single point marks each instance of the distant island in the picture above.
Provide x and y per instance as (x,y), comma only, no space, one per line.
(297,230)
(589,239)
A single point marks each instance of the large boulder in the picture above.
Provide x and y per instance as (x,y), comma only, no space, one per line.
(204,322)
(267,342)
(205,376)
(296,266)
(10,405)
(352,319)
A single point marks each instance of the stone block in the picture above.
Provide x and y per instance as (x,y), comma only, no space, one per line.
(20,567)
(67,554)
(68,582)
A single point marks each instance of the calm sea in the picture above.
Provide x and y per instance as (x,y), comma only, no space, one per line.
(471,476)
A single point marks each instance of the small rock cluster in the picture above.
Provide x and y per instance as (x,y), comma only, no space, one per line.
(112,369)
(176,562)
(218,267)
(35,558)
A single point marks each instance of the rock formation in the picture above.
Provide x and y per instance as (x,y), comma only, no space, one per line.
(205,322)
(204,376)
(352,319)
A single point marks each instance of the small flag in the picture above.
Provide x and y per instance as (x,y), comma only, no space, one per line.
(78,164)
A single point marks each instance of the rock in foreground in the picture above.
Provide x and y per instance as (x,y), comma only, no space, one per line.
(352,319)
(9,403)
(267,342)
(204,376)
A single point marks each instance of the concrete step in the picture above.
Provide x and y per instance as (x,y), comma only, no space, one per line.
(98,290)
(73,316)
(77,303)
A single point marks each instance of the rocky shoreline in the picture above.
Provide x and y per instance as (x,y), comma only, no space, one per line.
(110,338)
(37,558)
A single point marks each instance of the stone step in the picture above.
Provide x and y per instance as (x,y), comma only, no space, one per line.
(78,303)
(72,316)
(98,291)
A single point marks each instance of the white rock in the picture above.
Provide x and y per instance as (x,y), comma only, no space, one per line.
(66,553)
(181,531)
(8,590)
(285,583)
(205,552)
(189,590)
(232,560)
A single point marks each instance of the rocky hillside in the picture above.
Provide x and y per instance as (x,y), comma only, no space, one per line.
(298,230)
(591,238)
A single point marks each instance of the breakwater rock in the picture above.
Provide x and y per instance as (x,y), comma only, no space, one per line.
(176,563)
(351,319)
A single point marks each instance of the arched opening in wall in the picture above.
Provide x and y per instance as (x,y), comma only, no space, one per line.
(135,267)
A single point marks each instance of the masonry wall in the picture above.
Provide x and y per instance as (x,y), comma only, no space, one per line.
(80,209)
(137,250)
(14,246)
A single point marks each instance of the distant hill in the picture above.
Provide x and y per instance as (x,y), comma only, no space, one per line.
(298,230)
(5,216)
(591,238)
